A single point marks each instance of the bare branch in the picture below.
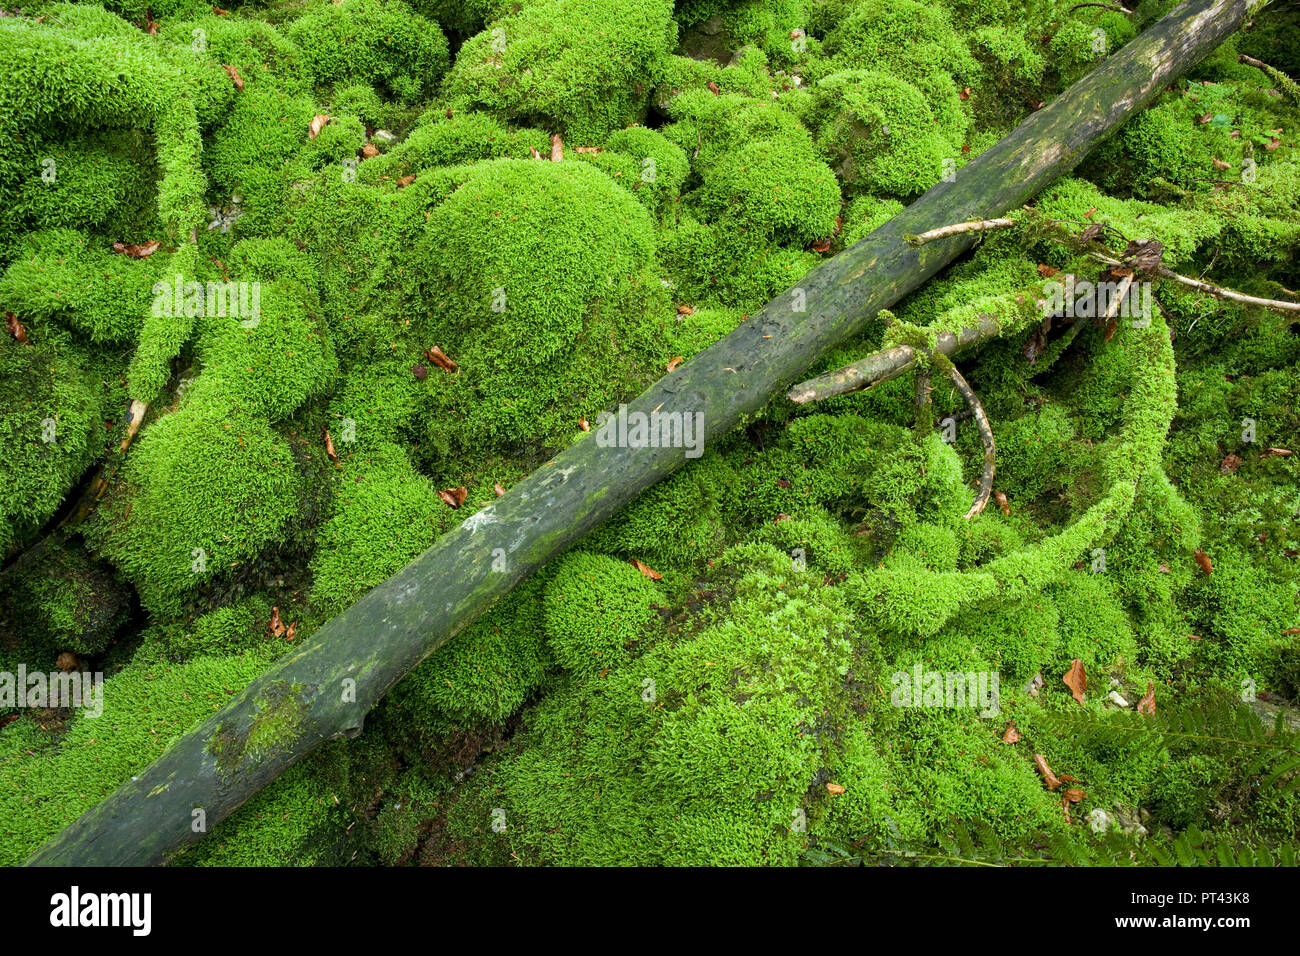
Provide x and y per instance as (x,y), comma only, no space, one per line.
(957,228)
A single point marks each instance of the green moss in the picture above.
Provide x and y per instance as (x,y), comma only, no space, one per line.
(383,42)
(596,609)
(582,67)
(49,434)
(206,489)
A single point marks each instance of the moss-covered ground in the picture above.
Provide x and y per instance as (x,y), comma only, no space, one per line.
(382,171)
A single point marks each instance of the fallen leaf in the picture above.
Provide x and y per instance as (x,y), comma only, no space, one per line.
(318,123)
(557,148)
(1034,104)
(1220,164)
(780,517)
(1164,568)
(1230,464)
(686,310)
(1070,796)
(1291,630)
(142,251)
(834,788)
(1276,453)
(369,151)
(1147,705)
(498,489)
(1003,504)
(1040,762)
(536,154)
(1273,143)
(1111,327)
(439,358)
(1047,271)
(234,76)
(292,632)
(1203,561)
(67,662)
(420,372)
(329,447)
(582,423)
(277,626)
(455,497)
(1092,233)
(1010,735)
(1076,680)
(1092,211)
(713,88)
(405,181)
(590,149)
(675,361)
(648,571)
(965,93)
(221,13)
(821,245)
(16,328)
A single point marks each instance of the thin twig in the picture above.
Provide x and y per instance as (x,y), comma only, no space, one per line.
(1104,6)
(956,229)
(1217,291)
(1287,84)
(986,437)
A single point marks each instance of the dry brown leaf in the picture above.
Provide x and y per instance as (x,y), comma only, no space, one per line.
(142,251)
(1047,271)
(965,93)
(1076,680)
(686,310)
(1291,630)
(1220,164)
(1203,562)
(234,76)
(780,517)
(1276,453)
(557,148)
(329,447)
(1147,705)
(292,632)
(67,662)
(1092,211)
(405,181)
(645,569)
(439,358)
(318,123)
(369,151)
(589,149)
(455,497)
(533,150)
(419,371)
(675,361)
(16,328)
(1003,504)
(834,788)
(1040,763)
(221,13)
(498,489)
(277,626)
(582,423)
(1230,464)
(713,88)
(1010,735)
(1070,796)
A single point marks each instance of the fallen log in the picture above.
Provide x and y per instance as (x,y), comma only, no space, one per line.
(327,687)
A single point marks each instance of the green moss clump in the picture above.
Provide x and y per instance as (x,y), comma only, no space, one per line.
(528,271)
(383,42)
(581,67)
(50,421)
(206,489)
(596,609)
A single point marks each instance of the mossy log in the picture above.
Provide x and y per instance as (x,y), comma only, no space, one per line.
(326,688)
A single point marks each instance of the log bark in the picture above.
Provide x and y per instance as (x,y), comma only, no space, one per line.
(326,688)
